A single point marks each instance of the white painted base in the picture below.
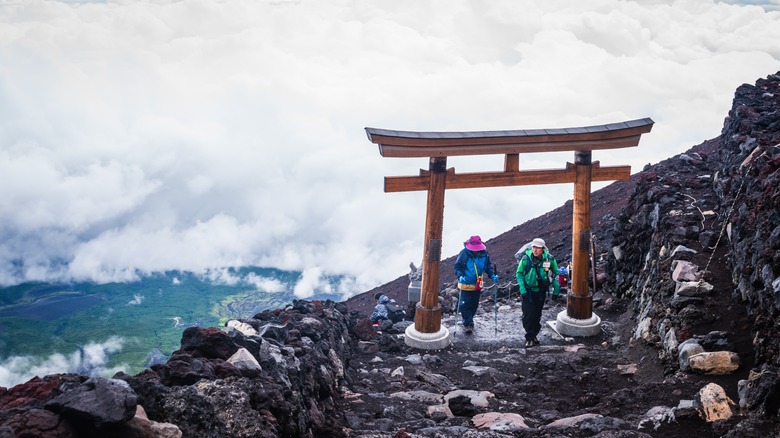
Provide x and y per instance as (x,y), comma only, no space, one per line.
(427,341)
(568,326)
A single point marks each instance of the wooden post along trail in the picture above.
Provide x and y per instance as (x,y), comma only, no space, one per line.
(427,332)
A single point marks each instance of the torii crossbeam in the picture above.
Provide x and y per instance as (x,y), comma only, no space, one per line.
(427,332)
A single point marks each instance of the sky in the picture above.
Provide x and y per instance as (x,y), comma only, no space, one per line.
(146,136)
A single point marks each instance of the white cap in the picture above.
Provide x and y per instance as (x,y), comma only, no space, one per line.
(538,243)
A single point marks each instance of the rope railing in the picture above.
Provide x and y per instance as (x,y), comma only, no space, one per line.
(728,215)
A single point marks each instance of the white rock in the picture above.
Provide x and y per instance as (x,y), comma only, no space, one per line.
(681,248)
(685,271)
(685,351)
(499,421)
(478,370)
(643,329)
(244,328)
(627,370)
(423,396)
(336,364)
(713,404)
(670,342)
(715,362)
(693,288)
(142,424)
(243,360)
(444,409)
(656,416)
(572,421)
(742,391)
(414,359)
(477,398)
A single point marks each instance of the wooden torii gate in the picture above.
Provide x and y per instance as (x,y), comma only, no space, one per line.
(427,332)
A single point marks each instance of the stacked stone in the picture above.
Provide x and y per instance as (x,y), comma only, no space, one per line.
(750,181)
(724,193)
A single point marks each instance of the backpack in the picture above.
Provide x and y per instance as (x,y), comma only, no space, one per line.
(521,252)
(395,311)
(542,278)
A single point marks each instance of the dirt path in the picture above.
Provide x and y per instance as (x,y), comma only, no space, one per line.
(393,389)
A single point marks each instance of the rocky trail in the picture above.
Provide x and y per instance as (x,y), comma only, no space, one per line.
(488,384)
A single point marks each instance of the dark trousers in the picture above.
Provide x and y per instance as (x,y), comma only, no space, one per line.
(532,314)
(469,301)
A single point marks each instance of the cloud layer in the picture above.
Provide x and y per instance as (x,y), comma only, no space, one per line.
(143,136)
(90,360)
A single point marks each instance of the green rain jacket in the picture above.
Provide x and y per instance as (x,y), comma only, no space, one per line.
(529,272)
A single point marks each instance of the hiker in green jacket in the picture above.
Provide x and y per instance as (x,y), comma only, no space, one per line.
(536,272)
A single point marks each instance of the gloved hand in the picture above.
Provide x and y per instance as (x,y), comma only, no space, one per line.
(461,279)
(495,278)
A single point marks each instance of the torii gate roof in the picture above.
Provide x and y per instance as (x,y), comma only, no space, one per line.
(409,144)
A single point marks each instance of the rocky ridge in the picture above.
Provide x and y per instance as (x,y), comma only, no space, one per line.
(689,256)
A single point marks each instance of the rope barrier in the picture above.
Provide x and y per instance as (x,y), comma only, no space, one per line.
(728,215)
(506,285)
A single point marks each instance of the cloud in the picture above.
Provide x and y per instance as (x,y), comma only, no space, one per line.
(769,5)
(264,284)
(90,360)
(310,282)
(141,137)
(137,299)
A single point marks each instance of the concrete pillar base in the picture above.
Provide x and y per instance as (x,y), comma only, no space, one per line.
(569,326)
(427,341)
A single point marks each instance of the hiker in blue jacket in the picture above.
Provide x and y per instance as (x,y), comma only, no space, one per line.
(380,310)
(470,266)
(536,272)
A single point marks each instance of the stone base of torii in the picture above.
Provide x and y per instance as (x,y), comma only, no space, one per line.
(427,341)
(568,326)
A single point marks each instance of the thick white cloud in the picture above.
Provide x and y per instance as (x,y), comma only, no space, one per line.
(140,136)
(90,360)
(310,282)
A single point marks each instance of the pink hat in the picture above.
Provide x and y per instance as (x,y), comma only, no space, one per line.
(474,244)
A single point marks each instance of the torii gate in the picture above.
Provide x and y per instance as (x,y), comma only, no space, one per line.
(427,332)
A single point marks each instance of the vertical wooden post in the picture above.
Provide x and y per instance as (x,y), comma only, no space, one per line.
(580,301)
(427,317)
(511,162)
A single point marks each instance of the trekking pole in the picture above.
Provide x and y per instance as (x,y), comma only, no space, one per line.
(593,261)
(457,310)
(495,302)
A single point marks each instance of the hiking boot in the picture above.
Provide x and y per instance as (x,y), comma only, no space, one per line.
(529,344)
(535,341)
(468,329)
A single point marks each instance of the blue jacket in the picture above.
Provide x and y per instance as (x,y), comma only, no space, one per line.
(380,311)
(470,265)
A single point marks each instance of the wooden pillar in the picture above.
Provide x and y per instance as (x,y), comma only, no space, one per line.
(427,317)
(579,304)
(511,162)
